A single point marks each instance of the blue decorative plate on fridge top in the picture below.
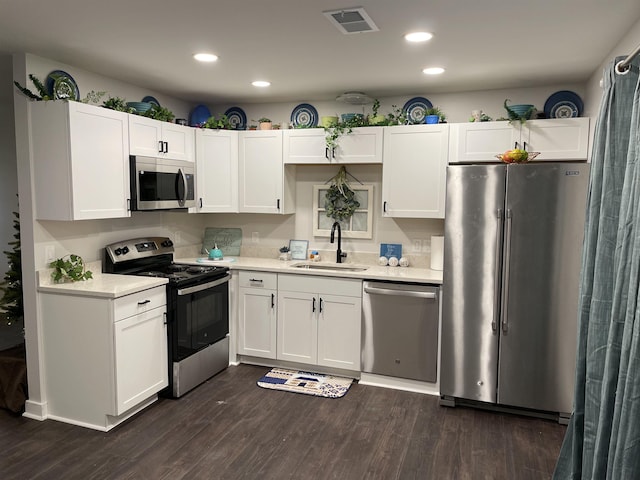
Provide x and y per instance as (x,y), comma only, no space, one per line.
(151,100)
(563,104)
(237,118)
(62,86)
(304,115)
(416,109)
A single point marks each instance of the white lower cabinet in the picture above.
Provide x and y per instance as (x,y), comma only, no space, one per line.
(257,314)
(319,321)
(105,358)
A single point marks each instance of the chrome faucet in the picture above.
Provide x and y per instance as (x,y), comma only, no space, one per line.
(339,254)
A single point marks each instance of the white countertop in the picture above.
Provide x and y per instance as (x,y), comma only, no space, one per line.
(105,285)
(373,272)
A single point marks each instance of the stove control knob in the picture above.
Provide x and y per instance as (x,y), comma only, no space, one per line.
(117,251)
(167,243)
(125,250)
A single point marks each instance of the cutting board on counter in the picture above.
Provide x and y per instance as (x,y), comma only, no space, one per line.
(229,240)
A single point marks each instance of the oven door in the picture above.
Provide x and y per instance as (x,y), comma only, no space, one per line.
(201,317)
(161,184)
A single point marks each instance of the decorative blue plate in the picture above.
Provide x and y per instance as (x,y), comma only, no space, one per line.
(416,108)
(237,118)
(304,115)
(62,86)
(198,115)
(151,100)
(563,104)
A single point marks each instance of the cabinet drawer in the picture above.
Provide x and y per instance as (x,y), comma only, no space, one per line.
(258,280)
(313,284)
(139,302)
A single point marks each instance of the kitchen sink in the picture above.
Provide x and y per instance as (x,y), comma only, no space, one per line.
(336,267)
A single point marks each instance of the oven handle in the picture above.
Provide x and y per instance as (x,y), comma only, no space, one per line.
(204,286)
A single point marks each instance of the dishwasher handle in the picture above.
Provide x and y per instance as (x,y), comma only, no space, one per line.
(400,293)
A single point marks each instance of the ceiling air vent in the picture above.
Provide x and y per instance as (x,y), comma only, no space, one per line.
(351,20)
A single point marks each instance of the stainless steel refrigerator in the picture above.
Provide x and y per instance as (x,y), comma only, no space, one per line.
(512,256)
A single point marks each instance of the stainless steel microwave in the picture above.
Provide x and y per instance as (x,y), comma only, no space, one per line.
(161,184)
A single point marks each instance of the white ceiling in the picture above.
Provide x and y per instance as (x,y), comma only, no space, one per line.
(483,44)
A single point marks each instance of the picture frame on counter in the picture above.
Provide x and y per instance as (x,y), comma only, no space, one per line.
(298,249)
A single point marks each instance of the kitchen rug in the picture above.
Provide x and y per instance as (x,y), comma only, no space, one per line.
(305,382)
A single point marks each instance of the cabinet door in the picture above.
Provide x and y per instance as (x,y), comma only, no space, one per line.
(297,327)
(145,136)
(414,171)
(80,161)
(257,322)
(362,145)
(481,142)
(339,321)
(140,358)
(305,146)
(557,139)
(261,172)
(179,141)
(217,167)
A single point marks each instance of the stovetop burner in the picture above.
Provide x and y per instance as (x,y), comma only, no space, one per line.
(153,257)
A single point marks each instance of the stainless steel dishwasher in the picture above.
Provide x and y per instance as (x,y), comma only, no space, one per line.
(400,330)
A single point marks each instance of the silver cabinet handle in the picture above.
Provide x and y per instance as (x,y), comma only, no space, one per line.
(400,293)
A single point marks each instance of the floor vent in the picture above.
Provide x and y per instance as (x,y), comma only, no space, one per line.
(351,20)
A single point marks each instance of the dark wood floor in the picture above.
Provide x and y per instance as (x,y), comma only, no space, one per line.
(228,428)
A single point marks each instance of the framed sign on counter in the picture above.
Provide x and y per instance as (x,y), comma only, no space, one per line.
(298,249)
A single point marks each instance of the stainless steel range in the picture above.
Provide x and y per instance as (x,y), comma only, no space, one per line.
(197,308)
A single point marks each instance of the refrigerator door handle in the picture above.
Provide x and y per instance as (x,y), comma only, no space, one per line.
(496,279)
(505,276)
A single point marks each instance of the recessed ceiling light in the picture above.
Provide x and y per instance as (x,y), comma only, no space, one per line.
(416,37)
(433,71)
(205,57)
(260,83)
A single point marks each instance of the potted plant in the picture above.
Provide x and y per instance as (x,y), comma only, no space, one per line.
(69,268)
(434,115)
(221,123)
(264,123)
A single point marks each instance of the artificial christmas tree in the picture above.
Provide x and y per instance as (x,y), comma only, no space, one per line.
(11,301)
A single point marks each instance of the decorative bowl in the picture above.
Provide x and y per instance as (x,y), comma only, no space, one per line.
(529,157)
(140,107)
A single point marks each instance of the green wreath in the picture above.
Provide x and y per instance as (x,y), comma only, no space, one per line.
(340,202)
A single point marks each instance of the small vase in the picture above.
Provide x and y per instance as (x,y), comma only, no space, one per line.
(431,119)
(265,125)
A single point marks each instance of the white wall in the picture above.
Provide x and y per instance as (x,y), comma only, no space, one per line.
(8,174)
(594,91)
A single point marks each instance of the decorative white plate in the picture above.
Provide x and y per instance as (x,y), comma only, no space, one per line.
(237,118)
(416,109)
(304,115)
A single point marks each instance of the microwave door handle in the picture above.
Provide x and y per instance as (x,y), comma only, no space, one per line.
(185,185)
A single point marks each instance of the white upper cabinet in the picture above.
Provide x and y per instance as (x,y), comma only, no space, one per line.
(265,185)
(414,171)
(555,139)
(217,170)
(153,138)
(80,161)
(308,146)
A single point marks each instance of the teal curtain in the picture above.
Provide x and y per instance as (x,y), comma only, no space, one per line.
(603,437)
